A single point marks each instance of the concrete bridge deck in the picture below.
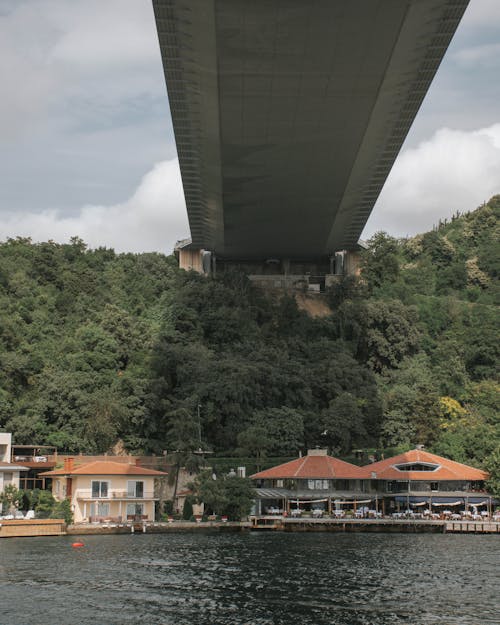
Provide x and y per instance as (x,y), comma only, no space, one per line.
(289,114)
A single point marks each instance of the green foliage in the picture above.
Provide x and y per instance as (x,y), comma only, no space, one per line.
(380,262)
(343,423)
(211,492)
(76,330)
(62,510)
(98,348)
(10,498)
(492,465)
(240,495)
(45,504)
(187,511)
(231,496)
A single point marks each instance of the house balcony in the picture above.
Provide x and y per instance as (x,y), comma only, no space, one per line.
(85,494)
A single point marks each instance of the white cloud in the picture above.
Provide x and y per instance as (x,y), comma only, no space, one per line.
(100,36)
(484,55)
(55,51)
(151,220)
(482,13)
(454,170)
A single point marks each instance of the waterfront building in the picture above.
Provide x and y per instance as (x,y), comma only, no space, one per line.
(106,490)
(5,446)
(10,474)
(415,481)
(316,483)
(419,479)
(37,459)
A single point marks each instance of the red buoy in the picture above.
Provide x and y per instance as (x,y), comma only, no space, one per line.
(75,545)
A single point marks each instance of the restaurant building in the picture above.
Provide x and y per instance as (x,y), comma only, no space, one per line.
(411,481)
(418,478)
(315,482)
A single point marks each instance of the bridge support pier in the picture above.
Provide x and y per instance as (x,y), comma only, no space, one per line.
(312,275)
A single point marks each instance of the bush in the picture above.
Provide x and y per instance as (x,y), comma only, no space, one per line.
(187,511)
(62,510)
(44,505)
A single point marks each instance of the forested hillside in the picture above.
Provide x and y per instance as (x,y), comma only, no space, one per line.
(98,348)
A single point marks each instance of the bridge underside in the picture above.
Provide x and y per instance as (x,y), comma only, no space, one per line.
(289,114)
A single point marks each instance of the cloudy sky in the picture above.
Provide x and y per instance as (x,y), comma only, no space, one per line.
(86,143)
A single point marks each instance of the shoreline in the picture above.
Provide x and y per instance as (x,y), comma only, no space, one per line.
(57,527)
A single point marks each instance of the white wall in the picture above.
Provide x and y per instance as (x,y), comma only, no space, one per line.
(5,446)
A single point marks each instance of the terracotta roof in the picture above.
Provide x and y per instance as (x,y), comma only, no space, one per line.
(447,469)
(102,467)
(312,466)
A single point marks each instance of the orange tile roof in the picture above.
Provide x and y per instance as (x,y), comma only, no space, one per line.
(312,466)
(447,469)
(104,467)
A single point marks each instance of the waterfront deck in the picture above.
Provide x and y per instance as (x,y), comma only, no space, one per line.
(286,524)
(56,527)
(15,528)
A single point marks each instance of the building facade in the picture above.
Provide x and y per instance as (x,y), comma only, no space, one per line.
(106,490)
(313,483)
(418,478)
(411,481)
(10,474)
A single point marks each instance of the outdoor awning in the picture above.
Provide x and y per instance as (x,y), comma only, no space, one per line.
(354,501)
(440,500)
(271,493)
(433,499)
(480,501)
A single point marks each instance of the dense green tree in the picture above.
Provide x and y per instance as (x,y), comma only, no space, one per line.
(98,347)
(187,510)
(380,261)
(492,465)
(254,441)
(343,424)
(62,510)
(240,495)
(211,492)
(44,505)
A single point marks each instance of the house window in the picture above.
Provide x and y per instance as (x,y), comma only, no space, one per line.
(99,489)
(135,509)
(99,509)
(58,487)
(434,486)
(318,484)
(279,483)
(417,466)
(135,489)
(321,484)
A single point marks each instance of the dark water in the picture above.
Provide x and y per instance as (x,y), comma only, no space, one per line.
(251,579)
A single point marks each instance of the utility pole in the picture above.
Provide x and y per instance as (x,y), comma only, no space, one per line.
(199,425)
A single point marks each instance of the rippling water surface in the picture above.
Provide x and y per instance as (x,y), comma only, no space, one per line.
(251,579)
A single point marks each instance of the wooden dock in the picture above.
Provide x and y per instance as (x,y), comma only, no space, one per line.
(15,528)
